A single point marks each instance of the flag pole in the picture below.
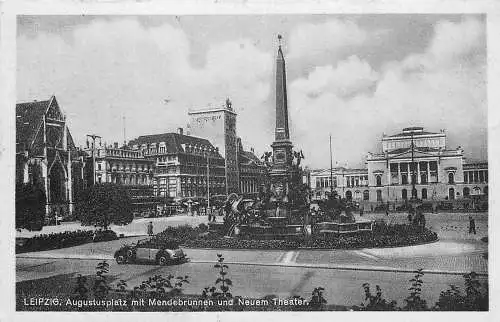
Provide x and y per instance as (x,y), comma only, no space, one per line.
(331,167)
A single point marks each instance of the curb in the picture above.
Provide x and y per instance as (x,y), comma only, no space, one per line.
(294,265)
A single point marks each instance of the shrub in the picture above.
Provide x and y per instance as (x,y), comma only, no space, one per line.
(383,235)
(56,241)
(475,298)
(317,301)
(104,204)
(414,301)
(375,302)
(101,286)
(30,206)
(223,282)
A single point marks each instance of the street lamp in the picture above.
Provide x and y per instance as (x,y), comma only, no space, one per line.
(93,137)
(208,182)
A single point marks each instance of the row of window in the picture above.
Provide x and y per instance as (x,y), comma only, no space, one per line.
(351,181)
(477,176)
(405,194)
(423,178)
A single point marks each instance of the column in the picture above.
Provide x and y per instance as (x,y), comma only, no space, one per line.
(70,185)
(438,171)
(399,173)
(428,172)
(389,180)
(26,177)
(418,173)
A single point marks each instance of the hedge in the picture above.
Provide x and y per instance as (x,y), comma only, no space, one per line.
(382,236)
(56,241)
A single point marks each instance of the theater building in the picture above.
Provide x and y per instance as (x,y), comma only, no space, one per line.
(423,158)
(412,156)
(46,155)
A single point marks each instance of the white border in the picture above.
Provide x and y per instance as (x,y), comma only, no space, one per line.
(8,11)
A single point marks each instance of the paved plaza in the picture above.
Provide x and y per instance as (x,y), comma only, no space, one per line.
(136,228)
(257,273)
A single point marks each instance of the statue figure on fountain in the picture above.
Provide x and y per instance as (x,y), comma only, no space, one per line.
(298,155)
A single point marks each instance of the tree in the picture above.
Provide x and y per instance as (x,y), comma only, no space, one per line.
(105,204)
(30,206)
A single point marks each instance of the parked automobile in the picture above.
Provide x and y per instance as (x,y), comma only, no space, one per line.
(149,251)
(104,235)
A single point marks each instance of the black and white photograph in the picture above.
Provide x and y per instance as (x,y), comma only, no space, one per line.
(252,162)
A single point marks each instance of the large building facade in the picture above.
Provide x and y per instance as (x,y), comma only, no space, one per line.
(126,167)
(412,158)
(349,183)
(183,166)
(218,125)
(46,155)
(253,173)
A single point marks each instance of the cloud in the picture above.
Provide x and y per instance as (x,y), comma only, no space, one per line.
(99,75)
(316,40)
(444,87)
(105,69)
(351,77)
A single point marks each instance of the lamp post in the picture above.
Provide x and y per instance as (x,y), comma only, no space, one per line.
(93,137)
(412,171)
(331,168)
(208,182)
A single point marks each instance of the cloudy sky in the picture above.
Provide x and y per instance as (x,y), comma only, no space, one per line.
(354,76)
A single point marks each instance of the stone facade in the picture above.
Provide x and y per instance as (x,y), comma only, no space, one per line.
(47,156)
(218,125)
(179,165)
(125,167)
(280,173)
(414,155)
(253,173)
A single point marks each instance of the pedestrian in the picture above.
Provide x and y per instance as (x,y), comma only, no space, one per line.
(150,228)
(472,225)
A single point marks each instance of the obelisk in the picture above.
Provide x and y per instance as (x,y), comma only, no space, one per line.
(282,146)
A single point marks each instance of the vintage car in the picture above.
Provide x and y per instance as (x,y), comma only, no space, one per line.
(149,251)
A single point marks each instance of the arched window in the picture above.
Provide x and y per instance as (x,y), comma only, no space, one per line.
(423,178)
(466,192)
(379,180)
(451,178)
(366,195)
(348,195)
(404,179)
(404,194)
(424,193)
(451,194)
(379,195)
